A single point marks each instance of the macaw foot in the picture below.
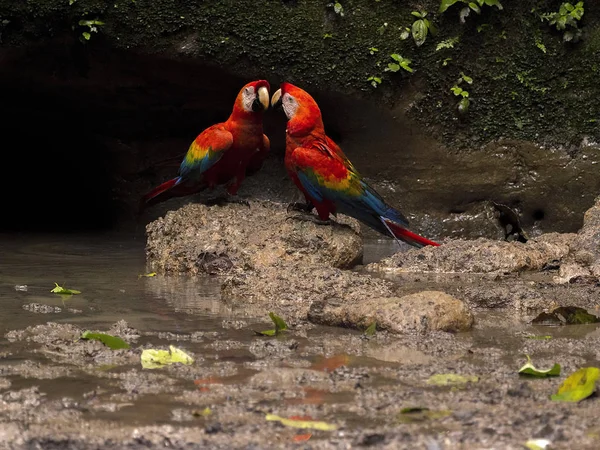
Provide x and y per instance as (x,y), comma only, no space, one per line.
(223,200)
(300,207)
(311,218)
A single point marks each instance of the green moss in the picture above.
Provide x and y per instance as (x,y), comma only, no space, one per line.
(518,90)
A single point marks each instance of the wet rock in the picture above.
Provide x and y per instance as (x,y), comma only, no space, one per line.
(416,313)
(198,238)
(4,383)
(481,256)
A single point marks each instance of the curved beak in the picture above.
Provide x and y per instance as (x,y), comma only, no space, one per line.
(263,97)
(276,98)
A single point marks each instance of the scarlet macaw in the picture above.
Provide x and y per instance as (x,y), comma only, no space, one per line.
(224,152)
(326,177)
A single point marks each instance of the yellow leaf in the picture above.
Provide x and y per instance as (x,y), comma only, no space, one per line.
(313,424)
(578,385)
(154,359)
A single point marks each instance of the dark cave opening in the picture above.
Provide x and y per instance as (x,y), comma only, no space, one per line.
(86,133)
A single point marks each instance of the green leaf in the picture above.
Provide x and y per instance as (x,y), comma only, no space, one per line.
(406,65)
(463,105)
(396,57)
(393,67)
(112,342)
(312,424)
(405,34)
(90,23)
(466,78)
(154,359)
(371,329)
(419,32)
(578,385)
(61,290)
(86,35)
(338,8)
(529,369)
(456,90)
(475,7)
(447,4)
(417,14)
(280,325)
(495,3)
(451,379)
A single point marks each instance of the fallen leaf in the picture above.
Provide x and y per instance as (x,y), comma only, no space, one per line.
(313,424)
(147,275)
(529,369)
(154,359)
(537,444)
(579,385)
(302,437)
(371,329)
(204,413)
(419,414)
(112,342)
(280,325)
(451,379)
(541,337)
(61,290)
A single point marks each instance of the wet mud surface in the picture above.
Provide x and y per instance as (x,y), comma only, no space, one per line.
(58,391)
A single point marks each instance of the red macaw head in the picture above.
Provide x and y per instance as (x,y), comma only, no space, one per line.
(253,98)
(302,111)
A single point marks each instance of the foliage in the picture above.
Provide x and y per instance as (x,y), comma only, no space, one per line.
(337,8)
(421,27)
(474,5)
(375,81)
(400,63)
(92,27)
(465,102)
(451,379)
(301,423)
(371,329)
(448,43)
(567,18)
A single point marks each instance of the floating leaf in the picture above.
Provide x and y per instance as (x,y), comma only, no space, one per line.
(529,369)
(154,359)
(578,385)
(280,325)
(147,275)
(418,414)
(371,329)
(295,423)
(451,379)
(61,290)
(112,342)
(537,444)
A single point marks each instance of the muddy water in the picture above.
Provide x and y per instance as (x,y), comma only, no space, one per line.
(340,376)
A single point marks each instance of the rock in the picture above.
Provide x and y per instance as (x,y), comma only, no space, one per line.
(481,256)
(216,239)
(416,313)
(586,246)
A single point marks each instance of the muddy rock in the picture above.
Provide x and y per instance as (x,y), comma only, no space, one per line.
(215,239)
(481,256)
(416,313)
(587,243)
(289,290)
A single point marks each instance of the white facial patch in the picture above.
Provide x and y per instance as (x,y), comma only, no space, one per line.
(248,97)
(290,105)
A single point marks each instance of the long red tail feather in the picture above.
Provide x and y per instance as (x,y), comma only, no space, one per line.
(409,237)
